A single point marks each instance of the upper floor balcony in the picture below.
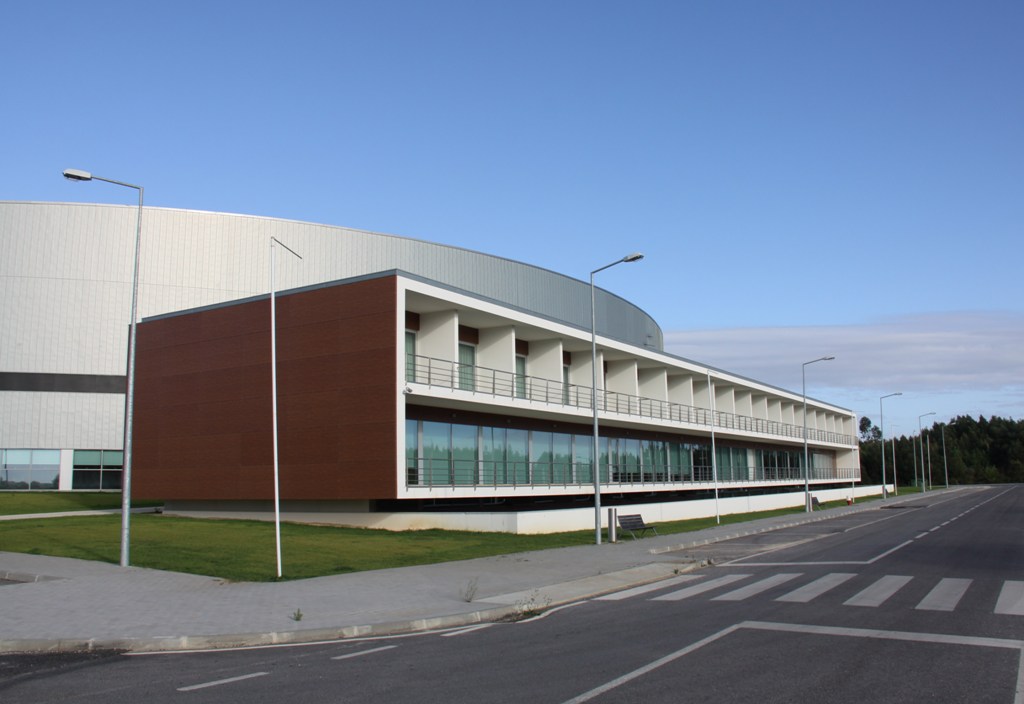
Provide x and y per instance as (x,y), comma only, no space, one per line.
(502,384)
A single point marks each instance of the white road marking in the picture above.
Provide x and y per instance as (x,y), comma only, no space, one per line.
(700,588)
(813,630)
(464,631)
(363,652)
(1011,599)
(945,595)
(217,683)
(757,587)
(816,588)
(651,667)
(879,592)
(644,589)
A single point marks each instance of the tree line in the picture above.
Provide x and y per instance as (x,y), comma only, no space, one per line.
(982,451)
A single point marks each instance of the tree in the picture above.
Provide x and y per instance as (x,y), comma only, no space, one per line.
(977,450)
(868,430)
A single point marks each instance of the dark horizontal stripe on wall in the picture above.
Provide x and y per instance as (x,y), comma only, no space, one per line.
(68,383)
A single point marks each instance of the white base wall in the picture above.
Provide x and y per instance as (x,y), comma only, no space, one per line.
(532,522)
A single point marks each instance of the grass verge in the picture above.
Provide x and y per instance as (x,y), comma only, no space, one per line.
(14,503)
(244,550)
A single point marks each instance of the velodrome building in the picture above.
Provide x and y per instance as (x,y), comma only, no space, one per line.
(419,385)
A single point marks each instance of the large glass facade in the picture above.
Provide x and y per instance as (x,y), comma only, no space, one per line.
(29,469)
(458,454)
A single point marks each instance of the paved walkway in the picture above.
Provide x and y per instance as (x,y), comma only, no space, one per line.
(65,604)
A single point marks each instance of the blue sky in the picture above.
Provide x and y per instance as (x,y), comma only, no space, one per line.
(806,178)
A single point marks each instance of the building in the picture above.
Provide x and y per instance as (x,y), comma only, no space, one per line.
(416,381)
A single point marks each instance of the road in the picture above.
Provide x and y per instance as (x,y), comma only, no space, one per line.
(918,601)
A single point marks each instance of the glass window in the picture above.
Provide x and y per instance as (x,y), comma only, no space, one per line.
(561,458)
(467,367)
(703,471)
(412,452)
(493,470)
(87,459)
(607,458)
(520,376)
(86,479)
(464,454)
(540,457)
(18,458)
(46,470)
(437,453)
(410,355)
(16,472)
(85,462)
(583,449)
(518,456)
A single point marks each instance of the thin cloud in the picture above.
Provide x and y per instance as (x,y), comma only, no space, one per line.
(953,363)
(932,353)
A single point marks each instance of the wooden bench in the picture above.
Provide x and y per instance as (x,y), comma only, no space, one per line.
(634,523)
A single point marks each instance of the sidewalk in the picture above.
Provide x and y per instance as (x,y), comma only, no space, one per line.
(65,604)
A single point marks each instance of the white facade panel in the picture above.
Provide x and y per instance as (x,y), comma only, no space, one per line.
(61,420)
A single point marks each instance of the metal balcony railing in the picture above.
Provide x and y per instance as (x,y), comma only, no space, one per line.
(493,382)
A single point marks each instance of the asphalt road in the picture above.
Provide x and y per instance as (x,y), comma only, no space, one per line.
(918,603)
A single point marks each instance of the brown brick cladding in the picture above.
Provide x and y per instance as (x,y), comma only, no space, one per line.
(203,398)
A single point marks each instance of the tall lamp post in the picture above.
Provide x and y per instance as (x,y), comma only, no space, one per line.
(895,474)
(807,466)
(635,257)
(881,421)
(714,460)
(273,385)
(924,485)
(945,465)
(126,472)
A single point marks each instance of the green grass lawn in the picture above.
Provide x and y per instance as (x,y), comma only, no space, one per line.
(245,551)
(19,502)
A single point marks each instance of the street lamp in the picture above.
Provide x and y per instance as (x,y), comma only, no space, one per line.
(126,471)
(881,421)
(945,465)
(635,257)
(273,385)
(924,485)
(895,474)
(714,460)
(807,467)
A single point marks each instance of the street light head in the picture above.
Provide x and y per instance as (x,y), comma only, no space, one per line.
(634,257)
(827,359)
(77,175)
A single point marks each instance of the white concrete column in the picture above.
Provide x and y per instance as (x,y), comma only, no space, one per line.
(680,389)
(497,348)
(438,339)
(544,366)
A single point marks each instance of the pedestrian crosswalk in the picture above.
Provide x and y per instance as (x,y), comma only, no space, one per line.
(944,595)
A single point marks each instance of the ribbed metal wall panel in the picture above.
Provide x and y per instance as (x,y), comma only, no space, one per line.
(65,281)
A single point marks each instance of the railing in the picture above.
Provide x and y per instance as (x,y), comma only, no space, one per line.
(480,473)
(494,382)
